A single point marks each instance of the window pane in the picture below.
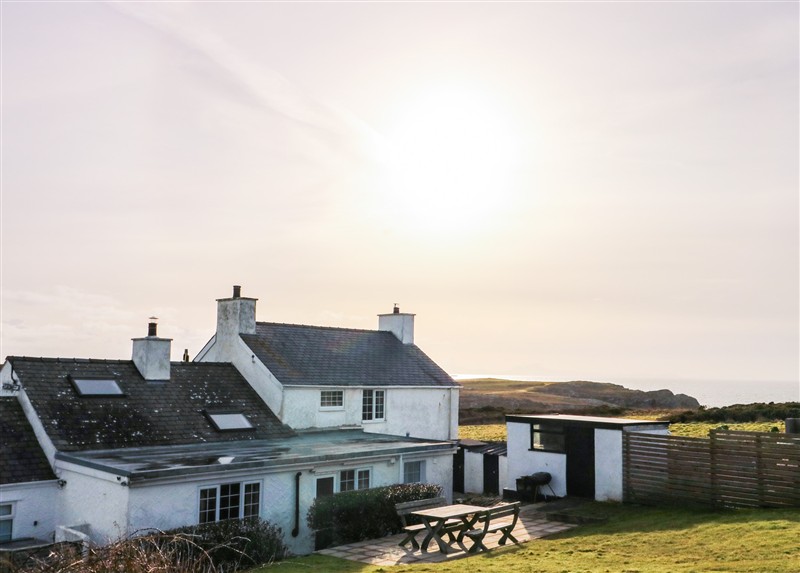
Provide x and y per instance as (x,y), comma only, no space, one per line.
(97,387)
(5,530)
(366,405)
(208,505)
(230,421)
(347,480)
(229,501)
(324,486)
(379,394)
(363,479)
(331,398)
(5,509)
(252,497)
(412,472)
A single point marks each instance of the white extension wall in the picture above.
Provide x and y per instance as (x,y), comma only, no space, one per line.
(608,461)
(34,506)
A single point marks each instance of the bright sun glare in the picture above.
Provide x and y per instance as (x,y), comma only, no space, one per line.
(453,156)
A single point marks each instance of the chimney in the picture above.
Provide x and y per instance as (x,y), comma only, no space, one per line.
(235,315)
(398,323)
(151,354)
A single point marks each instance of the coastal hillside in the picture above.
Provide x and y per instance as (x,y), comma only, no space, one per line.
(485,400)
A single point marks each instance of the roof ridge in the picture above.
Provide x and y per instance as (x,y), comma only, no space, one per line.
(69,360)
(320,327)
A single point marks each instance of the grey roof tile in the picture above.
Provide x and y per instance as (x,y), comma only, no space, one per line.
(21,457)
(325,356)
(149,413)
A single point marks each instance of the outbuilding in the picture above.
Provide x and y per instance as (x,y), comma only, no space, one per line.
(582,454)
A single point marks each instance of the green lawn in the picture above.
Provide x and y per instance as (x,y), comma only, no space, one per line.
(635,539)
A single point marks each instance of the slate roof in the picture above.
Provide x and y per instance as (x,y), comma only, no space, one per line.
(149,413)
(325,356)
(21,458)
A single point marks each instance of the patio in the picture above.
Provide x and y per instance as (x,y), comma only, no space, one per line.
(532,524)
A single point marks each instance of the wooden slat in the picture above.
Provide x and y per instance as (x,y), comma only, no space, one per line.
(729,469)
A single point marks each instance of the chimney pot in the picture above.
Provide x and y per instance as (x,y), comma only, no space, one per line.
(186,355)
(237,291)
(396,309)
(152,329)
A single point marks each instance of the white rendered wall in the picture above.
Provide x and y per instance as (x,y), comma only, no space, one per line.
(35,512)
(473,472)
(415,412)
(92,497)
(607,465)
(522,461)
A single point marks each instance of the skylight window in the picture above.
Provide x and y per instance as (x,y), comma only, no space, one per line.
(223,422)
(96,386)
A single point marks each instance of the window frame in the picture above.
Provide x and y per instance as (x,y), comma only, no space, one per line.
(420,471)
(552,438)
(371,409)
(360,476)
(9,517)
(328,408)
(245,509)
(77,384)
(216,425)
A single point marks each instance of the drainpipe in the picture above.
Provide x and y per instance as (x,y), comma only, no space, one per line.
(296,530)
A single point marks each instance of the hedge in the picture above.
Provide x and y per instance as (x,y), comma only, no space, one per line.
(364,514)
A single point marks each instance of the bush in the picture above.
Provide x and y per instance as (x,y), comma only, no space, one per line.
(222,547)
(236,544)
(364,514)
(740,413)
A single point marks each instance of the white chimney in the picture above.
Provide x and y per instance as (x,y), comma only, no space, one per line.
(151,355)
(398,323)
(235,315)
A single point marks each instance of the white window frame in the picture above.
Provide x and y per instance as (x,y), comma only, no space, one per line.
(10,518)
(374,406)
(242,500)
(357,478)
(330,408)
(421,470)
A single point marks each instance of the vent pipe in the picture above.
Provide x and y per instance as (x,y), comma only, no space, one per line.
(237,291)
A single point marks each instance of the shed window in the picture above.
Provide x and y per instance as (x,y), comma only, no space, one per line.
(6,521)
(373,405)
(224,422)
(96,386)
(547,438)
(331,399)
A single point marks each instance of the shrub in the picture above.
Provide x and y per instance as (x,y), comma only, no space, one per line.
(364,514)
(221,547)
(236,544)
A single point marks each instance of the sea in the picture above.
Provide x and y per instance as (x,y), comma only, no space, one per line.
(710,393)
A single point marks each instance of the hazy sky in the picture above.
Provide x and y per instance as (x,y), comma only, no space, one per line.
(577,190)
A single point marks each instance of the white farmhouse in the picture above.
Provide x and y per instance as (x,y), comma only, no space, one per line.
(322,377)
(99,449)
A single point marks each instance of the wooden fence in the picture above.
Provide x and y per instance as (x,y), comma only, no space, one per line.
(729,469)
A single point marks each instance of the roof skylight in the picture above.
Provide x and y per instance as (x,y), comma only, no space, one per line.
(236,421)
(96,386)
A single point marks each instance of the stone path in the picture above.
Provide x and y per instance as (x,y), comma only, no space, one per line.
(386,551)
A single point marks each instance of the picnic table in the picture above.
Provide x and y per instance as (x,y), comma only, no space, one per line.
(436,523)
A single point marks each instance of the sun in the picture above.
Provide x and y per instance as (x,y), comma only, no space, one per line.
(452,160)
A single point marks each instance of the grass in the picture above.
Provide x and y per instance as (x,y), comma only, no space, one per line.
(497,432)
(634,540)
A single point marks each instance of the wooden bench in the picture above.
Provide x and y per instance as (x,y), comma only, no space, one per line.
(502,518)
(411,531)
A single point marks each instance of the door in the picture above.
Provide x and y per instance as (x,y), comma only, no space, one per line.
(579,445)
(491,474)
(458,471)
